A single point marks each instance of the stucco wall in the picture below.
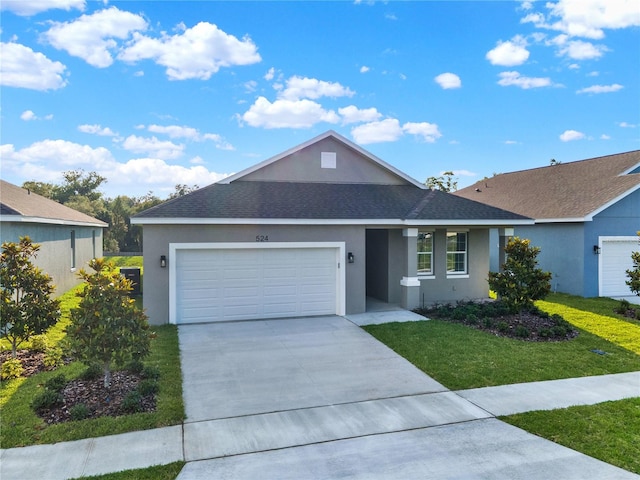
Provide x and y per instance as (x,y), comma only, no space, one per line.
(54,256)
(304,166)
(443,288)
(158,238)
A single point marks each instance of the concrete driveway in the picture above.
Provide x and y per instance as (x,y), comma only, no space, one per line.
(318,398)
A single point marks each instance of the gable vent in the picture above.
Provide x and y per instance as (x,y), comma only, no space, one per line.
(328,160)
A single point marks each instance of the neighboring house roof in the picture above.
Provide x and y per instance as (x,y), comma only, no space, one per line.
(243,199)
(20,205)
(575,191)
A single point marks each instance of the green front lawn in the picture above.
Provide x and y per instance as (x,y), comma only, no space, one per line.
(608,431)
(461,357)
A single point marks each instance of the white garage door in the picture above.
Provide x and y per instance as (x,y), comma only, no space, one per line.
(215,285)
(615,260)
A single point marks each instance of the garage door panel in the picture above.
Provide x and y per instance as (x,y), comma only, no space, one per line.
(616,259)
(237,284)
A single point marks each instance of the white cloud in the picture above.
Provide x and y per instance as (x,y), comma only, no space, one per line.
(511,142)
(196,53)
(28,115)
(448,80)
(96,130)
(364,69)
(589,18)
(428,131)
(626,125)
(601,88)
(387,130)
(579,50)
(190,133)
(287,114)
(462,173)
(251,86)
(509,53)
(26,8)
(303,87)
(593,74)
(55,154)
(570,135)
(46,159)
(23,68)
(604,136)
(153,146)
(270,74)
(92,37)
(155,172)
(353,114)
(515,79)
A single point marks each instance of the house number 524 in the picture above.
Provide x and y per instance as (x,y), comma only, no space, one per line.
(262,238)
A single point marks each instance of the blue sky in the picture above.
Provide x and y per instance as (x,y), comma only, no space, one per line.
(151,94)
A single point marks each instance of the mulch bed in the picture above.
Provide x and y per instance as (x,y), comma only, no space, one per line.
(99,401)
(534,323)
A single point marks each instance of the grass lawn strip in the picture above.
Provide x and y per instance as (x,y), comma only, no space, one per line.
(620,332)
(607,431)
(160,472)
(462,357)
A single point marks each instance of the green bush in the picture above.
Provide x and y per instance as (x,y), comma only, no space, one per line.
(132,402)
(151,372)
(79,412)
(503,327)
(522,332)
(39,343)
(46,399)
(56,384)
(11,368)
(135,366)
(92,372)
(53,357)
(148,387)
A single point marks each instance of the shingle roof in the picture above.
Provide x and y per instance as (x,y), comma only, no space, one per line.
(284,200)
(29,206)
(574,190)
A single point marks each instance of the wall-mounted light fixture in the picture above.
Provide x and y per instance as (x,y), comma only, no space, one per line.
(596,249)
(163,261)
(350,257)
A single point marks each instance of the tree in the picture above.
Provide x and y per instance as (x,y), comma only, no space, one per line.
(107,328)
(634,273)
(26,306)
(520,283)
(182,190)
(444,183)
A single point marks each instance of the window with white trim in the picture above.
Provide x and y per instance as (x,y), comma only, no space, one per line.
(425,253)
(457,252)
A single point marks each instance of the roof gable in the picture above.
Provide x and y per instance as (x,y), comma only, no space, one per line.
(574,191)
(19,204)
(327,158)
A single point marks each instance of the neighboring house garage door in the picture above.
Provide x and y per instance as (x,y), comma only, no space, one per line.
(615,260)
(274,281)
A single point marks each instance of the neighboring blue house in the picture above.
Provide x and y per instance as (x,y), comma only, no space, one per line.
(587,214)
(68,239)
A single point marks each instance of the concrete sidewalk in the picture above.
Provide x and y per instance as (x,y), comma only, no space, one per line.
(319,398)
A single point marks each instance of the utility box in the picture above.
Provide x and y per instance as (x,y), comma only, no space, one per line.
(133,274)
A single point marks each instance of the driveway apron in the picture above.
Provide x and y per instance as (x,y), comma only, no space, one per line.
(320,398)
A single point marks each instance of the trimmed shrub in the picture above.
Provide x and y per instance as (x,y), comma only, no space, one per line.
(46,399)
(11,368)
(79,412)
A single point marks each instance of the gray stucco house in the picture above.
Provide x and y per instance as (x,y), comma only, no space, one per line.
(314,230)
(586,216)
(68,239)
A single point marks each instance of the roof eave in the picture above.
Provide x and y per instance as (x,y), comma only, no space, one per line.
(330,221)
(50,221)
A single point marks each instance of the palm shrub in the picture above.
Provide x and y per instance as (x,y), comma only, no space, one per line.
(520,282)
(107,328)
(26,305)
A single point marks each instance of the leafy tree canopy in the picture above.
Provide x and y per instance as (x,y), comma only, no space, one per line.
(26,306)
(634,273)
(444,183)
